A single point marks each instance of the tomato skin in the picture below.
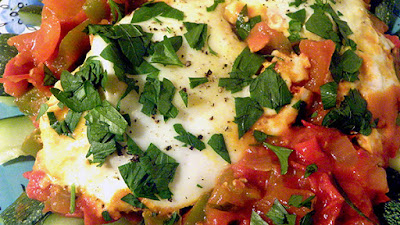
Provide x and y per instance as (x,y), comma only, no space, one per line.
(218,217)
(320,55)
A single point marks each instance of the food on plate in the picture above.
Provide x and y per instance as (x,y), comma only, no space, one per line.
(218,112)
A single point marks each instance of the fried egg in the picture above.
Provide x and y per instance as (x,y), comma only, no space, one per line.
(211,109)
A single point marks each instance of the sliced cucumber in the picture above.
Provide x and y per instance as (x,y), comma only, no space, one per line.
(56,219)
(31,15)
(7,100)
(24,211)
(13,132)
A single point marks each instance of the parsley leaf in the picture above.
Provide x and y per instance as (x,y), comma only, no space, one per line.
(310,169)
(329,94)
(283,156)
(196,34)
(158,95)
(320,24)
(117,11)
(108,115)
(43,109)
(188,138)
(270,90)
(154,9)
(214,6)
(49,78)
(133,201)
(248,111)
(150,176)
(244,24)
(346,66)
(246,65)
(297,201)
(352,115)
(217,142)
(279,215)
(297,3)
(196,81)
(295,25)
(165,53)
(67,126)
(184,96)
(260,136)
(256,219)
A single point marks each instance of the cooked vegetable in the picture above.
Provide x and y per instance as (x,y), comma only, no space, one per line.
(13,132)
(7,53)
(24,211)
(31,15)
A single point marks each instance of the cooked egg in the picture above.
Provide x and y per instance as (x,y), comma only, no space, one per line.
(211,109)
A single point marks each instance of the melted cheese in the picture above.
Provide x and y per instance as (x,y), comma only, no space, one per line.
(211,109)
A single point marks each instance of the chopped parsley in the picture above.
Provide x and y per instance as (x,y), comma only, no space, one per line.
(270,90)
(158,95)
(42,110)
(329,94)
(117,11)
(188,138)
(105,125)
(49,78)
(260,136)
(196,34)
(256,219)
(245,24)
(80,90)
(106,216)
(310,169)
(217,142)
(248,111)
(153,9)
(196,81)
(133,201)
(297,201)
(352,115)
(297,3)
(296,23)
(282,154)
(346,66)
(214,6)
(67,126)
(150,175)
(279,215)
(184,96)
(245,66)
(165,52)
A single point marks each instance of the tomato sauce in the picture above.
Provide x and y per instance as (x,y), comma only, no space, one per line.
(343,177)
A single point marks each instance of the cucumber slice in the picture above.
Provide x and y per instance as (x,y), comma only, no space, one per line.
(7,100)
(56,219)
(24,211)
(13,132)
(31,15)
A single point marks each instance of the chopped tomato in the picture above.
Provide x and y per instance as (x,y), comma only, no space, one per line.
(394,39)
(65,9)
(262,37)
(37,187)
(320,55)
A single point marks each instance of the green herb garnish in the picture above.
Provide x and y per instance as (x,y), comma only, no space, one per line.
(217,142)
(188,138)
(282,154)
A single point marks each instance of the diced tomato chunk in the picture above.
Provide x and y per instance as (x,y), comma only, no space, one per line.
(320,55)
